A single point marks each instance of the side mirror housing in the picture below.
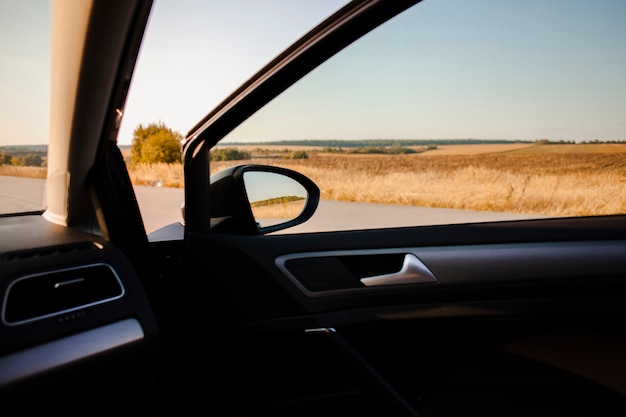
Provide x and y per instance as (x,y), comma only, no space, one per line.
(260,199)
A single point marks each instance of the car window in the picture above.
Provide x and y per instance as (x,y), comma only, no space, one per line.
(458,111)
(25,39)
(193,55)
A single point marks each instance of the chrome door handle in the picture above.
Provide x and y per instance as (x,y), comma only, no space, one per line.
(413,272)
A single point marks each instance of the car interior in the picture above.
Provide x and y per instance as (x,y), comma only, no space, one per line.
(222,315)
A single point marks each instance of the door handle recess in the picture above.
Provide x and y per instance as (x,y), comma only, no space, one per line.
(413,272)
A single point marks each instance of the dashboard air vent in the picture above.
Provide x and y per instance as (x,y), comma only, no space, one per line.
(43,295)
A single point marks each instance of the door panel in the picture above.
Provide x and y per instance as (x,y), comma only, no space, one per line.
(522,318)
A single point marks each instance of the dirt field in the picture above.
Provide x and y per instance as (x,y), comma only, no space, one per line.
(477,149)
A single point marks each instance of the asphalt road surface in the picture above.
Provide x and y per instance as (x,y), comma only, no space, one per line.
(160,206)
(19,194)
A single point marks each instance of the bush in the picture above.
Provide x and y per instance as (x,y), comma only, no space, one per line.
(32,160)
(297,155)
(229,154)
(5,159)
(156,143)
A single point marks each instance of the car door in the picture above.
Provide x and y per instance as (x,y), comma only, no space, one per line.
(474,318)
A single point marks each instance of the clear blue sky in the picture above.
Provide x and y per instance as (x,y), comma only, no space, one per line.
(457,69)
(452,69)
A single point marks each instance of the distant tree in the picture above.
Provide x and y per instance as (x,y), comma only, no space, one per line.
(229,154)
(5,158)
(297,155)
(156,143)
(399,150)
(32,160)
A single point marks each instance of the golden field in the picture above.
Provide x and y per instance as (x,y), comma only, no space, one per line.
(560,180)
(278,210)
(27,172)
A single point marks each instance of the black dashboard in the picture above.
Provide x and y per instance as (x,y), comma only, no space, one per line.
(70,301)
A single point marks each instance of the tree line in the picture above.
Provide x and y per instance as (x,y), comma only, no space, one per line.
(29,159)
(152,143)
(158,143)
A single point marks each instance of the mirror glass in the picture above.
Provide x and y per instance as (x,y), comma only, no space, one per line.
(274,198)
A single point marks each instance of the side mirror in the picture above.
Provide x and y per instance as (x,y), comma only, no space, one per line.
(260,199)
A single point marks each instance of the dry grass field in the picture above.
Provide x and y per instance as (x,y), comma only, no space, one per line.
(280,210)
(18,171)
(560,180)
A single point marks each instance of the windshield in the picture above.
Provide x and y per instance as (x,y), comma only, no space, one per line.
(25,38)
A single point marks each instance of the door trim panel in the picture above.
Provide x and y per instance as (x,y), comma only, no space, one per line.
(330,273)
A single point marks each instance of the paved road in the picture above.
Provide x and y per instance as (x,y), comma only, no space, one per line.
(21,194)
(339,215)
(161,206)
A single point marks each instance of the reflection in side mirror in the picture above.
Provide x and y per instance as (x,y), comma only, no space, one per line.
(260,199)
(274,198)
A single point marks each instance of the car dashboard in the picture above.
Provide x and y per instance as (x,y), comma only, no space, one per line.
(70,302)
